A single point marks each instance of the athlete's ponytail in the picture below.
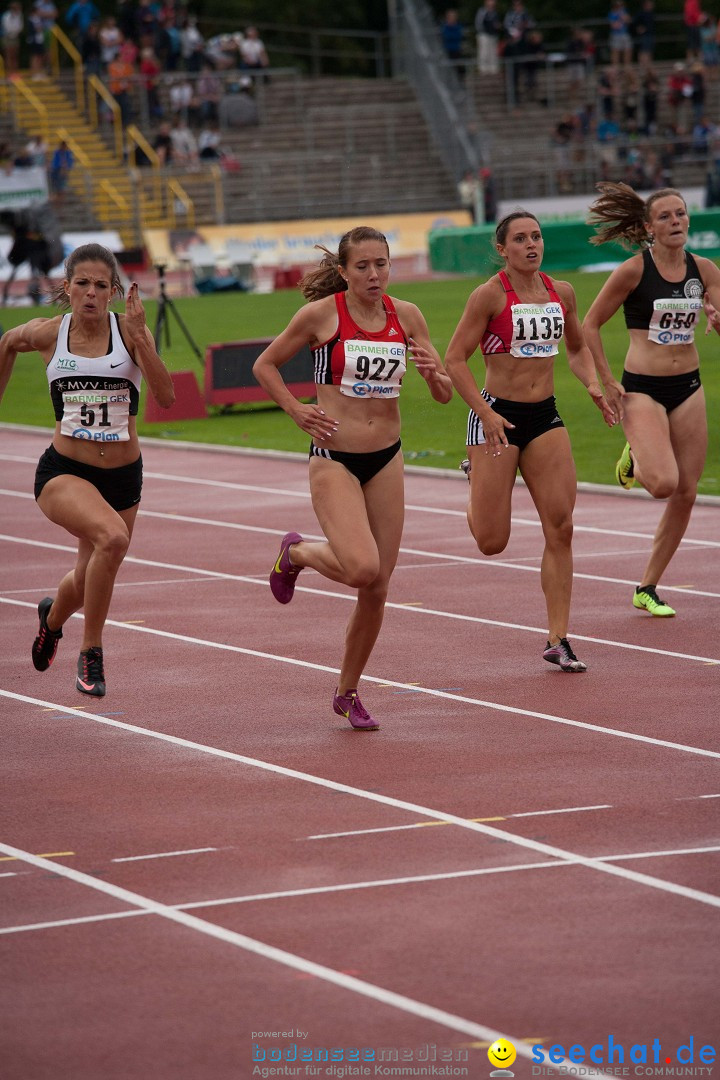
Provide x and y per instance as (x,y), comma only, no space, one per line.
(620,214)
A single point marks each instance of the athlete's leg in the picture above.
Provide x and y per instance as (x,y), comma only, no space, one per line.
(647,429)
(385,509)
(103,535)
(492,478)
(688,436)
(548,469)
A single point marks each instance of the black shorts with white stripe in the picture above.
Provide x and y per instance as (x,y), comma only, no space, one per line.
(531,419)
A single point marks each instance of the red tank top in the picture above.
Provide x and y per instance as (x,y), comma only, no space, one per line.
(534,334)
(363,363)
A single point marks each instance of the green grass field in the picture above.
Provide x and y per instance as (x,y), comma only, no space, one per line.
(433,435)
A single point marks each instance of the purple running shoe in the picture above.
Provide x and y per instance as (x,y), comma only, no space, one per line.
(351,707)
(283,574)
(562,655)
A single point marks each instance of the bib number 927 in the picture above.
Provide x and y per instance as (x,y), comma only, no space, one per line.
(376,368)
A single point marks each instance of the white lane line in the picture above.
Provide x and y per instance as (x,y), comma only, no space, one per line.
(387,800)
(164,854)
(531,522)
(350,597)
(414,879)
(425,824)
(385,682)
(281,956)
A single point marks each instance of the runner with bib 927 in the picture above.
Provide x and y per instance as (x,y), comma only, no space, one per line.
(89,479)
(361,340)
(518,319)
(660,399)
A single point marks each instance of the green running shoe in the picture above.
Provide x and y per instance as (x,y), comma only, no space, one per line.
(646,597)
(625,470)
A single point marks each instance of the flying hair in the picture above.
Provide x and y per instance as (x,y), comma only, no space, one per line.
(621,215)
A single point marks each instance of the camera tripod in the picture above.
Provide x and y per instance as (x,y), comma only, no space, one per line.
(166,306)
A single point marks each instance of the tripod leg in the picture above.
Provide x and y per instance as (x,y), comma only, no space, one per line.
(188,336)
(160,324)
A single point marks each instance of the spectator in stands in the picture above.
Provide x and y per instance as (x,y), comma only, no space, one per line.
(182,98)
(191,45)
(12,24)
(209,90)
(79,16)
(608,91)
(238,107)
(709,44)
(698,90)
(150,70)
(91,51)
(692,16)
(36,151)
(37,43)
(516,25)
(620,42)
(562,136)
(111,40)
(452,34)
(209,142)
(629,97)
(533,58)
(61,165)
(650,92)
(680,88)
(487,33)
(470,192)
(121,72)
(643,28)
(253,55)
(184,143)
(145,23)
(223,51)
(162,144)
(489,194)
(168,42)
(578,58)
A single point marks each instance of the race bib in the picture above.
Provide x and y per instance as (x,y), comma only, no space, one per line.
(537,329)
(373,369)
(673,320)
(96,415)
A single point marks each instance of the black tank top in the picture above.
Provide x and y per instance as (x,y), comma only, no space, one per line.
(638,307)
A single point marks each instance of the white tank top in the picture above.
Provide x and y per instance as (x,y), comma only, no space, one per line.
(94,396)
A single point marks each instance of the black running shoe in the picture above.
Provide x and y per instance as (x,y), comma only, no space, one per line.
(46,643)
(90,676)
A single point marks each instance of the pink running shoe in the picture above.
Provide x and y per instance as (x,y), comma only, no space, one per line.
(351,707)
(562,655)
(283,574)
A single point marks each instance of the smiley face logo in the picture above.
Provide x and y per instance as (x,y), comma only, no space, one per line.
(502,1054)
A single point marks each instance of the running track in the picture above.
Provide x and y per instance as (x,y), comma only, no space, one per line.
(209,852)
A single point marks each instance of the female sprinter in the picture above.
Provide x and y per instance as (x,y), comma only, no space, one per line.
(660,401)
(89,480)
(518,318)
(360,338)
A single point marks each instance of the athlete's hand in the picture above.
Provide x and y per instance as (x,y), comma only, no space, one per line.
(713,315)
(312,419)
(609,415)
(614,394)
(496,439)
(134,315)
(423,359)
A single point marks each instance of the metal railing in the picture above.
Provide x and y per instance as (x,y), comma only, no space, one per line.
(18,88)
(449,112)
(59,40)
(97,89)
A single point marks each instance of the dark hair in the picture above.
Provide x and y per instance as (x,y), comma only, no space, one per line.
(501,229)
(87,253)
(620,214)
(326,278)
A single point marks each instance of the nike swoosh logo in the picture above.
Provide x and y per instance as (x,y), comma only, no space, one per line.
(87,685)
(277,564)
(345,714)
(117,365)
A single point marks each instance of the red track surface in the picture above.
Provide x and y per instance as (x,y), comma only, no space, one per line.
(193,804)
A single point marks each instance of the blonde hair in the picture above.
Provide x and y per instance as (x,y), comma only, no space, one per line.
(326,278)
(620,214)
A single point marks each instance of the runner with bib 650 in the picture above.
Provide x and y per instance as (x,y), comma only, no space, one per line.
(518,319)
(660,400)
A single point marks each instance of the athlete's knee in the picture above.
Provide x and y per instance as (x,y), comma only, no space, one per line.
(660,486)
(560,533)
(492,543)
(362,571)
(113,543)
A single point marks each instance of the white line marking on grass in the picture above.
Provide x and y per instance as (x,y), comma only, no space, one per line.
(349,596)
(399,804)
